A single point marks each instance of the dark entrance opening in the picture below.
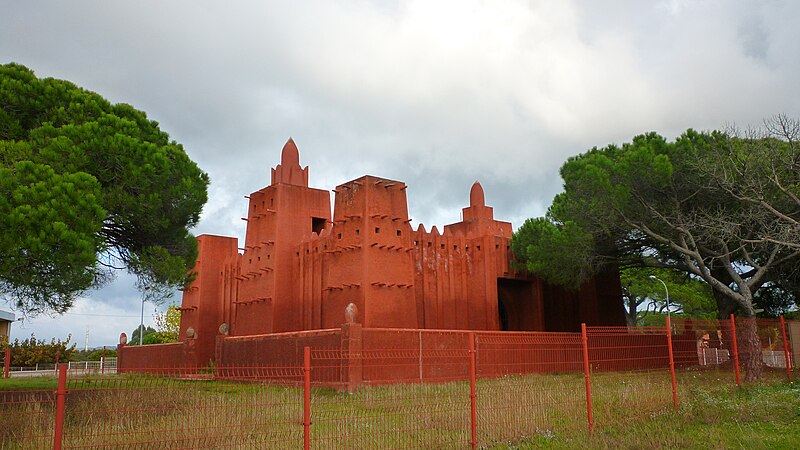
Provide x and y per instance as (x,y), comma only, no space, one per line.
(517,305)
(501,307)
(317,224)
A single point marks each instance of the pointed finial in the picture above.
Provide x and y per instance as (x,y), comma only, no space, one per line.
(476,197)
(290,157)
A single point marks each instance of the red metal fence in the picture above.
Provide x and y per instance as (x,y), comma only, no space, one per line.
(501,387)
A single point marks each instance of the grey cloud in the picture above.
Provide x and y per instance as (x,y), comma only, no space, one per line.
(433,93)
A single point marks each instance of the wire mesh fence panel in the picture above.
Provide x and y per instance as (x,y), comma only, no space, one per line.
(631,379)
(765,352)
(529,384)
(770,339)
(374,399)
(26,419)
(179,408)
(703,350)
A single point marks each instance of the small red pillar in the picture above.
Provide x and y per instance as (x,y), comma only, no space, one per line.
(472,393)
(735,351)
(61,394)
(672,364)
(7,365)
(587,377)
(351,355)
(306,398)
(786,353)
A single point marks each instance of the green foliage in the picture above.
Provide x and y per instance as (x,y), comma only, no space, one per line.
(151,336)
(31,351)
(708,206)
(50,241)
(169,323)
(645,297)
(159,337)
(560,254)
(134,337)
(87,186)
(94,355)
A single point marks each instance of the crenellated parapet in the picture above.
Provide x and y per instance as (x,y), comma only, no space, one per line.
(301,265)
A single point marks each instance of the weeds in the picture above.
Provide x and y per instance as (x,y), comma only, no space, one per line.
(631,410)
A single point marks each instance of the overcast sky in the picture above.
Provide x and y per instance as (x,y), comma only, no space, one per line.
(437,94)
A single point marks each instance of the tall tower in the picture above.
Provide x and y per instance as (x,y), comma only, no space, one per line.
(372,256)
(279,217)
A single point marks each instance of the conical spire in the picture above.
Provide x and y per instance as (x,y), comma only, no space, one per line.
(289,170)
(290,156)
(476,197)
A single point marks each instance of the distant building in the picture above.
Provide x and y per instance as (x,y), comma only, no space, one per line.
(5,324)
(299,268)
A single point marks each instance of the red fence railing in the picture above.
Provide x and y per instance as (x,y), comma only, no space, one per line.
(501,388)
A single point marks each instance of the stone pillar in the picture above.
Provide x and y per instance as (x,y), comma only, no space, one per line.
(351,355)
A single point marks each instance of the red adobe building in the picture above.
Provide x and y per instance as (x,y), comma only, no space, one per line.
(299,268)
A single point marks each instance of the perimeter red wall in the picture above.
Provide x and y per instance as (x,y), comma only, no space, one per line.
(300,267)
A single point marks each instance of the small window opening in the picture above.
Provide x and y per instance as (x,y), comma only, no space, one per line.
(479,248)
(317,224)
(442,246)
(377,230)
(357,231)
(339,236)
(399,233)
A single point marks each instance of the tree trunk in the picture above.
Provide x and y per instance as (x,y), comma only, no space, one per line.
(749,344)
(630,312)
(750,353)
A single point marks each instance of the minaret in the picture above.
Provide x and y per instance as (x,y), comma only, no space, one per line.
(279,217)
(289,170)
(477,210)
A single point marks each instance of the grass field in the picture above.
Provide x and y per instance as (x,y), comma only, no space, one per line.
(631,410)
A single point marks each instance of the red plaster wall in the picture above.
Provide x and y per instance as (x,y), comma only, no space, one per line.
(154,358)
(299,269)
(203,307)
(277,349)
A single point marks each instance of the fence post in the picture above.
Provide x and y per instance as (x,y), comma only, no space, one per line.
(588,377)
(7,365)
(306,398)
(786,354)
(472,395)
(61,394)
(672,364)
(735,350)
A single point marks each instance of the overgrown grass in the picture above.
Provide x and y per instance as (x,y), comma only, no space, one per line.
(712,414)
(631,410)
(37,382)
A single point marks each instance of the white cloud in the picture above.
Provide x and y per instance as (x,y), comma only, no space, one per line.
(433,93)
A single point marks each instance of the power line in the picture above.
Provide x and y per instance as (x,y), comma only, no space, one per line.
(99,315)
